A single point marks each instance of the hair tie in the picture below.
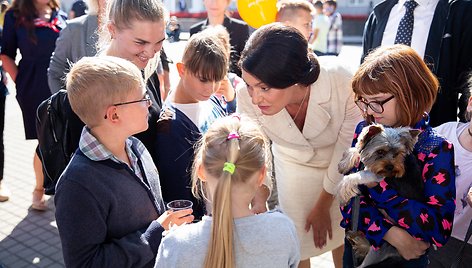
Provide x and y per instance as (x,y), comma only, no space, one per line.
(233,135)
(230,167)
(237,116)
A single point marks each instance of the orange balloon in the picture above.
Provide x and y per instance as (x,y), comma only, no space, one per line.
(257,12)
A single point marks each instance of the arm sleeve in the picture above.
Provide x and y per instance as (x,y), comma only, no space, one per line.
(430,220)
(352,117)
(174,154)
(83,230)
(9,42)
(59,63)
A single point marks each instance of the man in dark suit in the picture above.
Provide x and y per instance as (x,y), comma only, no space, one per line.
(442,35)
(237,29)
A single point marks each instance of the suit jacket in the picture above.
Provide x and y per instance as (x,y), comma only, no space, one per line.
(77,40)
(447,52)
(238,33)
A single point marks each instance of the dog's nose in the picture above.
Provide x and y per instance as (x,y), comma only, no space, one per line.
(389,167)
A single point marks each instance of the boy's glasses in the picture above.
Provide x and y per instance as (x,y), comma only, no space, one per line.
(376,106)
(146,99)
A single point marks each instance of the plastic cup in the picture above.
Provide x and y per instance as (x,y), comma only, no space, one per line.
(177,205)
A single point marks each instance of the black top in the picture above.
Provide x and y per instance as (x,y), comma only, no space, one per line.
(238,33)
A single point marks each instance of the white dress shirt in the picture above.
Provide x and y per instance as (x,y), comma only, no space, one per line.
(423,14)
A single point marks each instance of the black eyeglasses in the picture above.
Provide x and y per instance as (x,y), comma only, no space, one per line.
(376,106)
(146,99)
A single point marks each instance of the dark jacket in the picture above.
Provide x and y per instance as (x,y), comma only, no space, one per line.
(238,33)
(106,215)
(447,51)
(176,138)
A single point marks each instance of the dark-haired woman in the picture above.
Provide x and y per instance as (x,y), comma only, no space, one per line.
(307,109)
(32,26)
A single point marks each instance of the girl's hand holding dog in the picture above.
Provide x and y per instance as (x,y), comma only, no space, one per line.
(408,246)
(171,218)
(319,220)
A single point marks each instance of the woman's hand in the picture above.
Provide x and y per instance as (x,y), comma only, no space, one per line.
(408,246)
(175,218)
(319,220)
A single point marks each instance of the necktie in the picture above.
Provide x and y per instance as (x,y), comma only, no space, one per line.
(405,28)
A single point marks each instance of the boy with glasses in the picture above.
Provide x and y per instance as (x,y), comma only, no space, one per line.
(109,208)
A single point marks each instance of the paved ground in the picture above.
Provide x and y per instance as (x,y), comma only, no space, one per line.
(29,238)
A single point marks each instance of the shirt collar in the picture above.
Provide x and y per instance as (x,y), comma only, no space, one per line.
(423,3)
(92,148)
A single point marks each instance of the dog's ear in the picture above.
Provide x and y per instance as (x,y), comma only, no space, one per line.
(414,133)
(367,134)
(409,137)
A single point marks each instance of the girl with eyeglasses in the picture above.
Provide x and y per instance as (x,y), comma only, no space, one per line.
(395,88)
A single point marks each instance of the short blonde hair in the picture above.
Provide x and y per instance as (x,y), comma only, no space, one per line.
(95,83)
(287,9)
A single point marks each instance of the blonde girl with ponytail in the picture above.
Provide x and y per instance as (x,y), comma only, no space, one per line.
(230,165)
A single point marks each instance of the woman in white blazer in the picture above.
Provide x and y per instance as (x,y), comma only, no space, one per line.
(306,108)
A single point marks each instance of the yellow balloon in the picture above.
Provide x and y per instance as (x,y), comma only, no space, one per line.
(257,12)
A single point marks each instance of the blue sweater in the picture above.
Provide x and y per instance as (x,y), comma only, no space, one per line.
(106,215)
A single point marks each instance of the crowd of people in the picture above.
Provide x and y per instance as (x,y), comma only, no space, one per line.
(250,111)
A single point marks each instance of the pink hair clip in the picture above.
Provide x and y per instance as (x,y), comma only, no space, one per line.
(233,135)
(237,116)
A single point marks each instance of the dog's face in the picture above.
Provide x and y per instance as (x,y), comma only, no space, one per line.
(383,150)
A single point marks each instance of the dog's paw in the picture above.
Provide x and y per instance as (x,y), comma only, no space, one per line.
(347,188)
(349,160)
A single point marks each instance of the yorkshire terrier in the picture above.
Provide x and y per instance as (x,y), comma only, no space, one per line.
(386,154)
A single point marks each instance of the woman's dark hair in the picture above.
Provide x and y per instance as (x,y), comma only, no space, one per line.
(278,55)
(25,12)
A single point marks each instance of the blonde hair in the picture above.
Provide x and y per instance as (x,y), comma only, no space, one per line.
(205,56)
(123,12)
(95,83)
(398,70)
(287,9)
(93,7)
(249,153)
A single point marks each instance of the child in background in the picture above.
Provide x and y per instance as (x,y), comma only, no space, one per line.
(188,112)
(319,39)
(395,88)
(460,135)
(109,208)
(230,165)
(296,13)
(335,33)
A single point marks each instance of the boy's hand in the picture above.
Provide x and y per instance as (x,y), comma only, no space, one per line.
(226,89)
(171,218)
